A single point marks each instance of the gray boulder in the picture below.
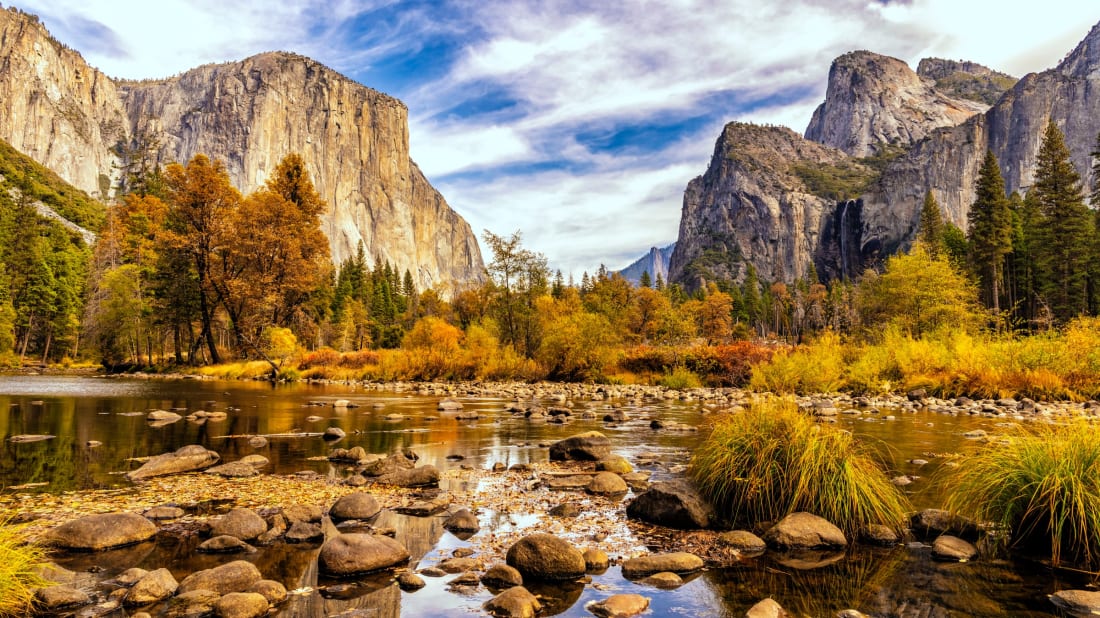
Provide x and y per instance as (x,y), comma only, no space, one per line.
(96,532)
(588,446)
(805,531)
(675,504)
(187,459)
(347,555)
(545,557)
(235,576)
(359,505)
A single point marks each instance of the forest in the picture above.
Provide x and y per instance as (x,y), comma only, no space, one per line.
(188,272)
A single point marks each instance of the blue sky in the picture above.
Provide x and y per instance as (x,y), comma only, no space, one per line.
(578,123)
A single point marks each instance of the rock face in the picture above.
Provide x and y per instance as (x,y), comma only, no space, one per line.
(966,80)
(250,114)
(858,118)
(655,263)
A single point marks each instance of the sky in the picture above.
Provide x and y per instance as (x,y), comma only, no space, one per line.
(577,123)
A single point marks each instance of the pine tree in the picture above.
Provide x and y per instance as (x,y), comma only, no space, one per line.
(990,231)
(931,227)
(1064,234)
(750,293)
(645,281)
(660,282)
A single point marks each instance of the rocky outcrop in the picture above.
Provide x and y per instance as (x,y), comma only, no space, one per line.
(874,100)
(250,114)
(655,263)
(966,80)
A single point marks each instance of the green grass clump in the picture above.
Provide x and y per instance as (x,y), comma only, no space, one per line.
(1040,484)
(19,576)
(772,460)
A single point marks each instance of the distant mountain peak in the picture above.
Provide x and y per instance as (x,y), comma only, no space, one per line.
(655,262)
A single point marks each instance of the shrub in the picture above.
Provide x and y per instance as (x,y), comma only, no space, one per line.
(814,368)
(680,377)
(1040,484)
(771,460)
(19,563)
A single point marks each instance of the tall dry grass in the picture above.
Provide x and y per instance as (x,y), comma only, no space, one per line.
(19,571)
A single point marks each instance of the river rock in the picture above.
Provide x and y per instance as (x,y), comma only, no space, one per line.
(742,540)
(129,577)
(187,459)
(59,598)
(467,579)
(241,605)
(767,608)
(953,549)
(675,562)
(424,476)
(244,524)
(359,505)
(303,512)
(225,544)
(931,523)
(235,576)
(158,513)
(30,437)
(675,504)
(333,433)
(462,521)
(515,602)
(457,565)
(502,576)
(97,532)
(304,532)
(588,446)
(665,580)
(199,602)
(804,531)
(545,556)
(1084,602)
(595,560)
(257,441)
(606,484)
(234,469)
(256,461)
(154,586)
(347,555)
(163,415)
(271,590)
(619,606)
(878,534)
(565,509)
(449,404)
(615,463)
(408,581)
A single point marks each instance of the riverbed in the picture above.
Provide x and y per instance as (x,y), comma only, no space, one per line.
(100,432)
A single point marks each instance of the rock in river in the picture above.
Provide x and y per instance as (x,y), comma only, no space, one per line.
(1077,601)
(675,562)
(96,532)
(359,505)
(241,605)
(619,606)
(606,484)
(953,549)
(346,555)
(58,598)
(152,587)
(462,521)
(676,504)
(235,576)
(515,602)
(805,531)
(547,557)
(588,446)
(187,459)
(243,524)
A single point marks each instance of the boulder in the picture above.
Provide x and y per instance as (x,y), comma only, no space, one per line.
(767,608)
(878,534)
(742,540)
(244,524)
(457,565)
(154,586)
(501,576)
(665,580)
(199,602)
(675,562)
(565,509)
(186,459)
(546,557)
(390,464)
(804,531)
(675,504)
(129,577)
(619,606)
(347,555)
(234,469)
(606,484)
(931,523)
(462,521)
(57,598)
(408,581)
(1084,602)
(588,446)
(271,590)
(359,505)
(615,463)
(225,544)
(595,560)
(333,433)
(300,512)
(515,602)
(241,605)
(953,549)
(235,576)
(257,441)
(163,415)
(97,532)
(424,476)
(164,512)
(304,532)
(448,405)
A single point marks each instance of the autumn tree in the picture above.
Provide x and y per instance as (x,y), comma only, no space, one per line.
(716,315)
(990,231)
(520,276)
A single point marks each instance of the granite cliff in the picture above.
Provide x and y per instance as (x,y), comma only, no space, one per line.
(71,117)
(770,200)
(655,263)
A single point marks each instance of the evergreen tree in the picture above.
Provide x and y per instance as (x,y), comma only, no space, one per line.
(931,227)
(990,231)
(558,288)
(750,294)
(660,282)
(645,281)
(1065,232)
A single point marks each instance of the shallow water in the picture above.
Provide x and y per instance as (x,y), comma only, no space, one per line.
(887,582)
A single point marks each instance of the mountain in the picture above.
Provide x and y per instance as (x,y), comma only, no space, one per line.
(966,80)
(655,263)
(872,100)
(770,200)
(73,119)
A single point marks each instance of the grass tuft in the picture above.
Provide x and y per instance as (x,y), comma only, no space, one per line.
(19,571)
(1040,484)
(771,460)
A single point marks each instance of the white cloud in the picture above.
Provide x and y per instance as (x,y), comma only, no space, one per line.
(440,150)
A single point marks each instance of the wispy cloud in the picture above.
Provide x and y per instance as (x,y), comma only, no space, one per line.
(578,122)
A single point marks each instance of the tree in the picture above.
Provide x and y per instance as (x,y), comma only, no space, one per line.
(931,226)
(716,315)
(645,281)
(1063,248)
(990,231)
(519,277)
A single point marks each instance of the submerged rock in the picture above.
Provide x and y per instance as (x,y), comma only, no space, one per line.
(187,459)
(619,606)
(1077,601)
(97,532)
